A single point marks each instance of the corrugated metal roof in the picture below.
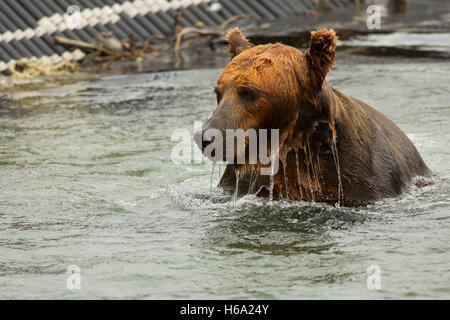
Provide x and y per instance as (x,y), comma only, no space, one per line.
(27,27)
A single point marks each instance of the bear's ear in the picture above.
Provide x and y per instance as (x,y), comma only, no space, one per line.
(320,54)
(236,42)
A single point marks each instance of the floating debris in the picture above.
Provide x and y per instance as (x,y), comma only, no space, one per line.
(34,68)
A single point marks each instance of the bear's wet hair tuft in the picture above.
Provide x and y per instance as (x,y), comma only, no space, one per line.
(323,41)
(236,42)
(322,51)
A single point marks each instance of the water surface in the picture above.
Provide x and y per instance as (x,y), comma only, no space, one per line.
(86,179)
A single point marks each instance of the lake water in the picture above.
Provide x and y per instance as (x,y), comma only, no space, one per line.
(86,179)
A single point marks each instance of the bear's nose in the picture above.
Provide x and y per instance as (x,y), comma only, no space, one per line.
(201,143)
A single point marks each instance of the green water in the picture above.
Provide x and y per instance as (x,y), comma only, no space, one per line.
(86,179)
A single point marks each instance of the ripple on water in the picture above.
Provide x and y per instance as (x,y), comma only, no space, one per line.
(86,178)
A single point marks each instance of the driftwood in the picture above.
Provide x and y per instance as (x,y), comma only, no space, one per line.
(85,45)
(35,68)
(75,43)
(206,32)
(199,32)
(233,19)
(136,49)
(106,48)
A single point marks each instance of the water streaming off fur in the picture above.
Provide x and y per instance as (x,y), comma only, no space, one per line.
(236,189)
(86,179)
(273,159)
(308,172)
(334,151)
(284,162)
(299,179)
(253,177)
(212,173)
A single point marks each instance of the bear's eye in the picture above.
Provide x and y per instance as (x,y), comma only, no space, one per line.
(248,93)
(218,95)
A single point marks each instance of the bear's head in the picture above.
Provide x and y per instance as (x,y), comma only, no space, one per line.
(272,86)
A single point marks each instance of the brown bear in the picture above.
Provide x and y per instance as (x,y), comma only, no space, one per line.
(332,148)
